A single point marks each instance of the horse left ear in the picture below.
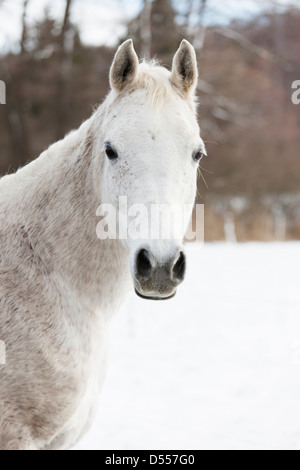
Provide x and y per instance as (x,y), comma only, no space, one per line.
(184,73)
(124,67)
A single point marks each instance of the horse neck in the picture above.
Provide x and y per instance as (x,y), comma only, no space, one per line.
(64,197)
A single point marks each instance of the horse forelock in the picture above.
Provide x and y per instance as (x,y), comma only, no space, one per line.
(155,79)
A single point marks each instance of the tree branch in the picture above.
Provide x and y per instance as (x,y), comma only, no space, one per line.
(244,42)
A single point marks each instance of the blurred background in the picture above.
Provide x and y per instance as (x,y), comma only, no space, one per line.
(55,58)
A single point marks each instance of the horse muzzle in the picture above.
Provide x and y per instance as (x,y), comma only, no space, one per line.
(156,279)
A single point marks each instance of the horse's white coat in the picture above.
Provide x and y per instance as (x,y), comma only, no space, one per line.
(60,285)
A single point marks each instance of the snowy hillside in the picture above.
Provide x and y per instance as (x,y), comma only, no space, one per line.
(218,367)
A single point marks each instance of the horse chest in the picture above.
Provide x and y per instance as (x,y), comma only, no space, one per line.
(83,417)
(89,377)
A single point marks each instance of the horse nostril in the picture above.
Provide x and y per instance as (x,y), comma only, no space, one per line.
(179,267)
(143,264)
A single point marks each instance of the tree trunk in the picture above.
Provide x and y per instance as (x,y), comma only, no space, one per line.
(24,27)
(64,63)
(145,28)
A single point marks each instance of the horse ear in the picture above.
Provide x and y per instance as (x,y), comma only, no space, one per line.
(124,67)
(184,73)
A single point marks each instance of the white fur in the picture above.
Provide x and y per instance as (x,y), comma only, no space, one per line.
(59,284)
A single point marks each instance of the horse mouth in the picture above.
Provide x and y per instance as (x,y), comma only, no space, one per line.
(152,297)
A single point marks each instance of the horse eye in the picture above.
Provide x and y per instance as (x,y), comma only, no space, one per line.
(110,152)
(197,156)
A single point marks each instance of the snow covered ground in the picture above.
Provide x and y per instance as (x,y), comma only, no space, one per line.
(218,367)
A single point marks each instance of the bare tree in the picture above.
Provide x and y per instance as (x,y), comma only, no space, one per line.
(195,12)
(24,27)
(64,63)
(14,112)
(223,108)
(244,42)
(65,24)
(145,28)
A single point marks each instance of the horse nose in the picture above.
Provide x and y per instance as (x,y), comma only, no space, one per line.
(178,268)
(173,269)
(157,279)
(143,264)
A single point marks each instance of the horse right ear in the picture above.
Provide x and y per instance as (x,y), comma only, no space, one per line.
(184,73)
(124,67)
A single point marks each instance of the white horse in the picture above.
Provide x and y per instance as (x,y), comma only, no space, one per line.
(59,284)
